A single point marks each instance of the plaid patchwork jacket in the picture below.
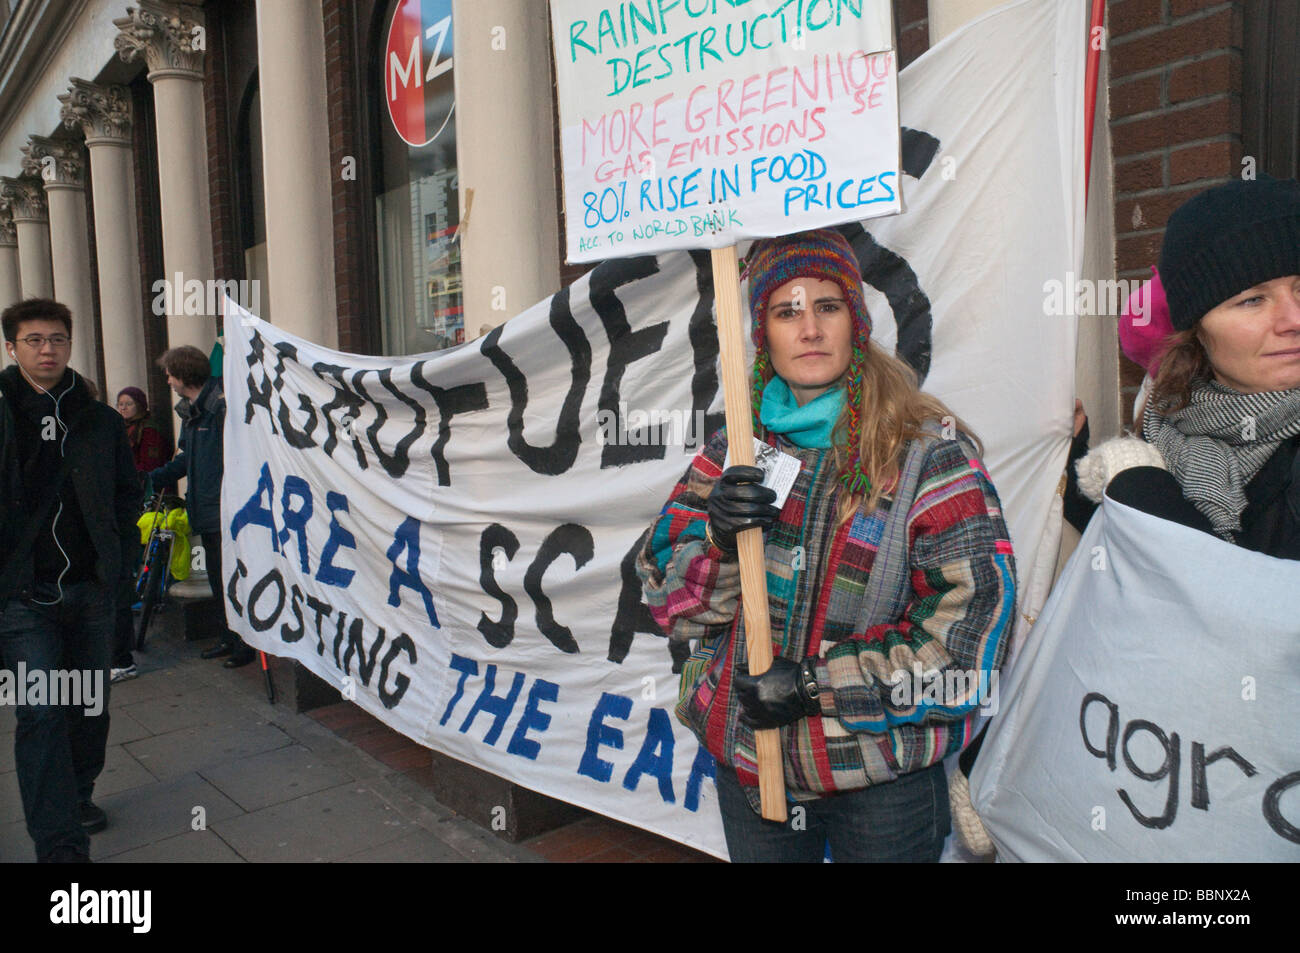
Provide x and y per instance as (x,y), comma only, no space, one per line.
(874,724)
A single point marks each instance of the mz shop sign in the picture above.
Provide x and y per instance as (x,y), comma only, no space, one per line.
(418,85)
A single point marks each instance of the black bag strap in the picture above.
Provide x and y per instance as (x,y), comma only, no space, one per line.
(27,537)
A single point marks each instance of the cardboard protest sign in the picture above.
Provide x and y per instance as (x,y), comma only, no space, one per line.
(693,125)
(1152,715)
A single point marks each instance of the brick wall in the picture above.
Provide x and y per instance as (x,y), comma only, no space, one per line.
(912,25)
(355,257)
(1176,120)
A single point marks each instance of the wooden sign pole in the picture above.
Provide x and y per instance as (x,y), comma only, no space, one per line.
(749,543)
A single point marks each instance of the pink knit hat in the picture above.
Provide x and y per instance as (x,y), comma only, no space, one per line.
(1144,324)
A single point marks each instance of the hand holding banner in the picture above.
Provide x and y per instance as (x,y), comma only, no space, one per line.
(1152,714)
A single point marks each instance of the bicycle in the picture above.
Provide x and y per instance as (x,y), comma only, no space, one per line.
(151,584)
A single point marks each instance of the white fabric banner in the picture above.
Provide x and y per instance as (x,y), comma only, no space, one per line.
(694,126)
(449,537)
(1152,717)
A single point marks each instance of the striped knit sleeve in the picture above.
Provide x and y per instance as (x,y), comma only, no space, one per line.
(939,662)
(690,588)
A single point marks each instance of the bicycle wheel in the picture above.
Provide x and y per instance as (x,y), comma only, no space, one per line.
(156,569)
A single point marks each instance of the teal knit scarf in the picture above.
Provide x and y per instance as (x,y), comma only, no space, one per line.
(809,426)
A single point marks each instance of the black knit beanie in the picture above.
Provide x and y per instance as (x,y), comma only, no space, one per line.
(1226,240)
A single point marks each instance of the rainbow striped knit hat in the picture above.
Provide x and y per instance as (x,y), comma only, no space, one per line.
(823,253)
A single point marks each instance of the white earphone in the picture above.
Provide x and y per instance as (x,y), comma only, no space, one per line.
(54,527)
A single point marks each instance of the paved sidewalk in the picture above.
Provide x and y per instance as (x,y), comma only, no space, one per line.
(201,768)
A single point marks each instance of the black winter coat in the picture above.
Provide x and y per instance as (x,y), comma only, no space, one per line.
(1270,523)
(101,473)
(199,458)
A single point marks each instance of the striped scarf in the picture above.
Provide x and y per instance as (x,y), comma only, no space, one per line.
(1217,443)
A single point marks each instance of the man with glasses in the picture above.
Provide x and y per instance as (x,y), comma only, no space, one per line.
(68,503)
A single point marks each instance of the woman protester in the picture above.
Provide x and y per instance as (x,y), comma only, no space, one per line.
(1222,423)
(888,559)
(149,451)
(147,445)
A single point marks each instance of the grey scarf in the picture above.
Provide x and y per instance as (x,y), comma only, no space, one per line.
(1218,442)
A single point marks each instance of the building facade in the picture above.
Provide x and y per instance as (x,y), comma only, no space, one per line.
(382,176)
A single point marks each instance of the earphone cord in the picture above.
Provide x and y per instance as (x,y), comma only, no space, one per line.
(54,527)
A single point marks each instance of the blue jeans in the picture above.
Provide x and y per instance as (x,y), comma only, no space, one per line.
(59,750)
(904,821)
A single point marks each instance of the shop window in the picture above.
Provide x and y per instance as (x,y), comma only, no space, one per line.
(417,206)
(252,226)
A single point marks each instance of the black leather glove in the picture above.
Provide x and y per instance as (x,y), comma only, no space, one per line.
(739,501)
(778,696)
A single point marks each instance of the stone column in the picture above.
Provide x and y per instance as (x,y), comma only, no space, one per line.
(946,16)
(62,166)
(26,200)
(168,37)
(509,256)
(11,283)
(296,162)
(103,113)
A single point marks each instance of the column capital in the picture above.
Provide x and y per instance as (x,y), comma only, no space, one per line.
(8,231)
(170,36)
(25,198)
(60,163)
(101,112)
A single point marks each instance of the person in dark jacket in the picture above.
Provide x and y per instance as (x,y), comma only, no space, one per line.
(149,452)
(68,499)
(1222,424)
(202,409)
(147,444)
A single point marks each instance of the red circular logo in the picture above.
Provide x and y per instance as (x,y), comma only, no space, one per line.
(418,86)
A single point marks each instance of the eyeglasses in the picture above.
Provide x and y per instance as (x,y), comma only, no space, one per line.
(37,341)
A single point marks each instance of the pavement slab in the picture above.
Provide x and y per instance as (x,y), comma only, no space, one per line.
(190,749)
(282,774)
(121,773)
(325,826)
(157,684)
(123,728)
(196,707)
(192,847)
(155,812)
(419,847)
(15,845)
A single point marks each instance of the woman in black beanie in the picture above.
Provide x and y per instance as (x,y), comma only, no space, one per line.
(1223,419)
